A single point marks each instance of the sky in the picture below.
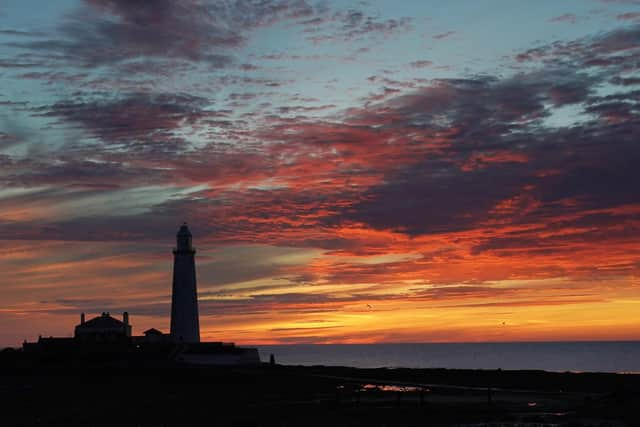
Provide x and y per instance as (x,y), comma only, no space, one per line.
(352,171)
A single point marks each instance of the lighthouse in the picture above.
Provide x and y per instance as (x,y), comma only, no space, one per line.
(185,325)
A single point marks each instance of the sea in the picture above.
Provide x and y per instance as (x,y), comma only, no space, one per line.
(618,356)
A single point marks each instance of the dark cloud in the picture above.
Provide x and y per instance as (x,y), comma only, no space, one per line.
(444,35)
(54,77)
(18,63)
(20,33)
(496,146)
(354,25)
(421,64)
(446,193)
(625,81)
(567,17)
(140,119)
(7,140)
(632,2)
(617,48)
(78,173)
(629,16)
(472,158)
(435,198)
(255,304)
(112,32)
(531,303)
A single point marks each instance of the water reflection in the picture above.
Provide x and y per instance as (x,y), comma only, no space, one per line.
(389,387)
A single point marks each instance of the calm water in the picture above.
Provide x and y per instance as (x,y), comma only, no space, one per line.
(549,356)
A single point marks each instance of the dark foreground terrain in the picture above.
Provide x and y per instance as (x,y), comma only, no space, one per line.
(140,393)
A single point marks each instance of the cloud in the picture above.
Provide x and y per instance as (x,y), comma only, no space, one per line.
(567,17)
(614,48)
(629,16)
(444,193)
(108,32)
(440,158)
(8,140)
(354,25)
(18,63)
(20,33)
(78,173)
(421,64)
(446,35)
(425,194)
(116,32)
(633,2)
(138,119)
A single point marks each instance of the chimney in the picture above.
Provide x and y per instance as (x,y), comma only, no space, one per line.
(82,318)
(125,318)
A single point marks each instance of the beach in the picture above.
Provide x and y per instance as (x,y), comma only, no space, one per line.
(147,394)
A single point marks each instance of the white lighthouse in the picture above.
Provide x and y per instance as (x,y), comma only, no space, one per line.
(185,325)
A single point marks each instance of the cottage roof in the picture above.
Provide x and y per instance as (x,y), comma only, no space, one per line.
(105,321)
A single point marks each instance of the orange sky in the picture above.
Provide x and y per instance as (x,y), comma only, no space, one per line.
(415,293)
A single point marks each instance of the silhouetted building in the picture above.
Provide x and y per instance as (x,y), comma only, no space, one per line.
(217,353)
(154,336)
(185,327)
(109,337)
(103,328)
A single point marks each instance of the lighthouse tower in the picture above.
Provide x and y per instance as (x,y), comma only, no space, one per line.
(185,326)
